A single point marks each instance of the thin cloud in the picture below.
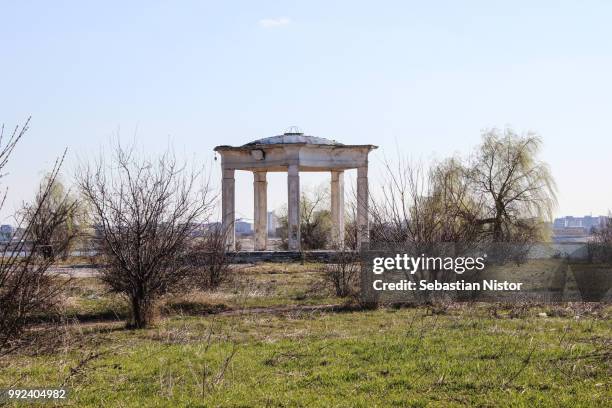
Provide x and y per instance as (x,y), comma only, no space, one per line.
(274,22)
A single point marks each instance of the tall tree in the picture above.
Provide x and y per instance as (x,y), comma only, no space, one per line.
(515,187)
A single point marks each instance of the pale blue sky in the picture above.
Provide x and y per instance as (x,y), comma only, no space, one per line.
(424,76)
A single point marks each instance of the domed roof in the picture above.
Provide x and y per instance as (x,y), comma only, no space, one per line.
(293,138)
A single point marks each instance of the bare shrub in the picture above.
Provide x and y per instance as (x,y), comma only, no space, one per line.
(145,212)
(344,268)
(26,286)
(351,229)
(343,273)
(600,249)
(210,258)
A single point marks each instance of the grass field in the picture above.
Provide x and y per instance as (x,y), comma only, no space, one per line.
(277,337)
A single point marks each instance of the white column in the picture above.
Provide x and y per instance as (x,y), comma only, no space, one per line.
(293,207)
(363,227)
(337,208)
(260,189)
(228,215)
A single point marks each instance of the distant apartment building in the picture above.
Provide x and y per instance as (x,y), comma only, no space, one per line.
(243,227)
(588,221)
(6,232)
(576,229)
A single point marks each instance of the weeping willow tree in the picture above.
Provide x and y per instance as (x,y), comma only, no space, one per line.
(502,193)
(515,189)
(54,198)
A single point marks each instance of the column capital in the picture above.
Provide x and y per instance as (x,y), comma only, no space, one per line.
(293,170)
(259,175)
(336,174)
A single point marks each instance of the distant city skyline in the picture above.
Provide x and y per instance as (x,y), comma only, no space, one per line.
(423,78)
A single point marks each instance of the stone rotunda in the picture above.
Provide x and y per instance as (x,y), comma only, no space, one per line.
(293,152)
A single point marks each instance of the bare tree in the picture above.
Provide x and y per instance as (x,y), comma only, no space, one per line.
(422,211)
(423,206)
(145,212)
(26,286)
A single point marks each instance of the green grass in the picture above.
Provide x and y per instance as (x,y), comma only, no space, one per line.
(250,286)
(466,355)
(387,357)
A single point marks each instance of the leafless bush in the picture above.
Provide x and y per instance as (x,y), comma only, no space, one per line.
(343,273)
(351,229)
(343,270)
(26,286)
(210,258)
(600,249)
(145,212)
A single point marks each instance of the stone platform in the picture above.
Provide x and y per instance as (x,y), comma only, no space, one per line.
(240,257)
